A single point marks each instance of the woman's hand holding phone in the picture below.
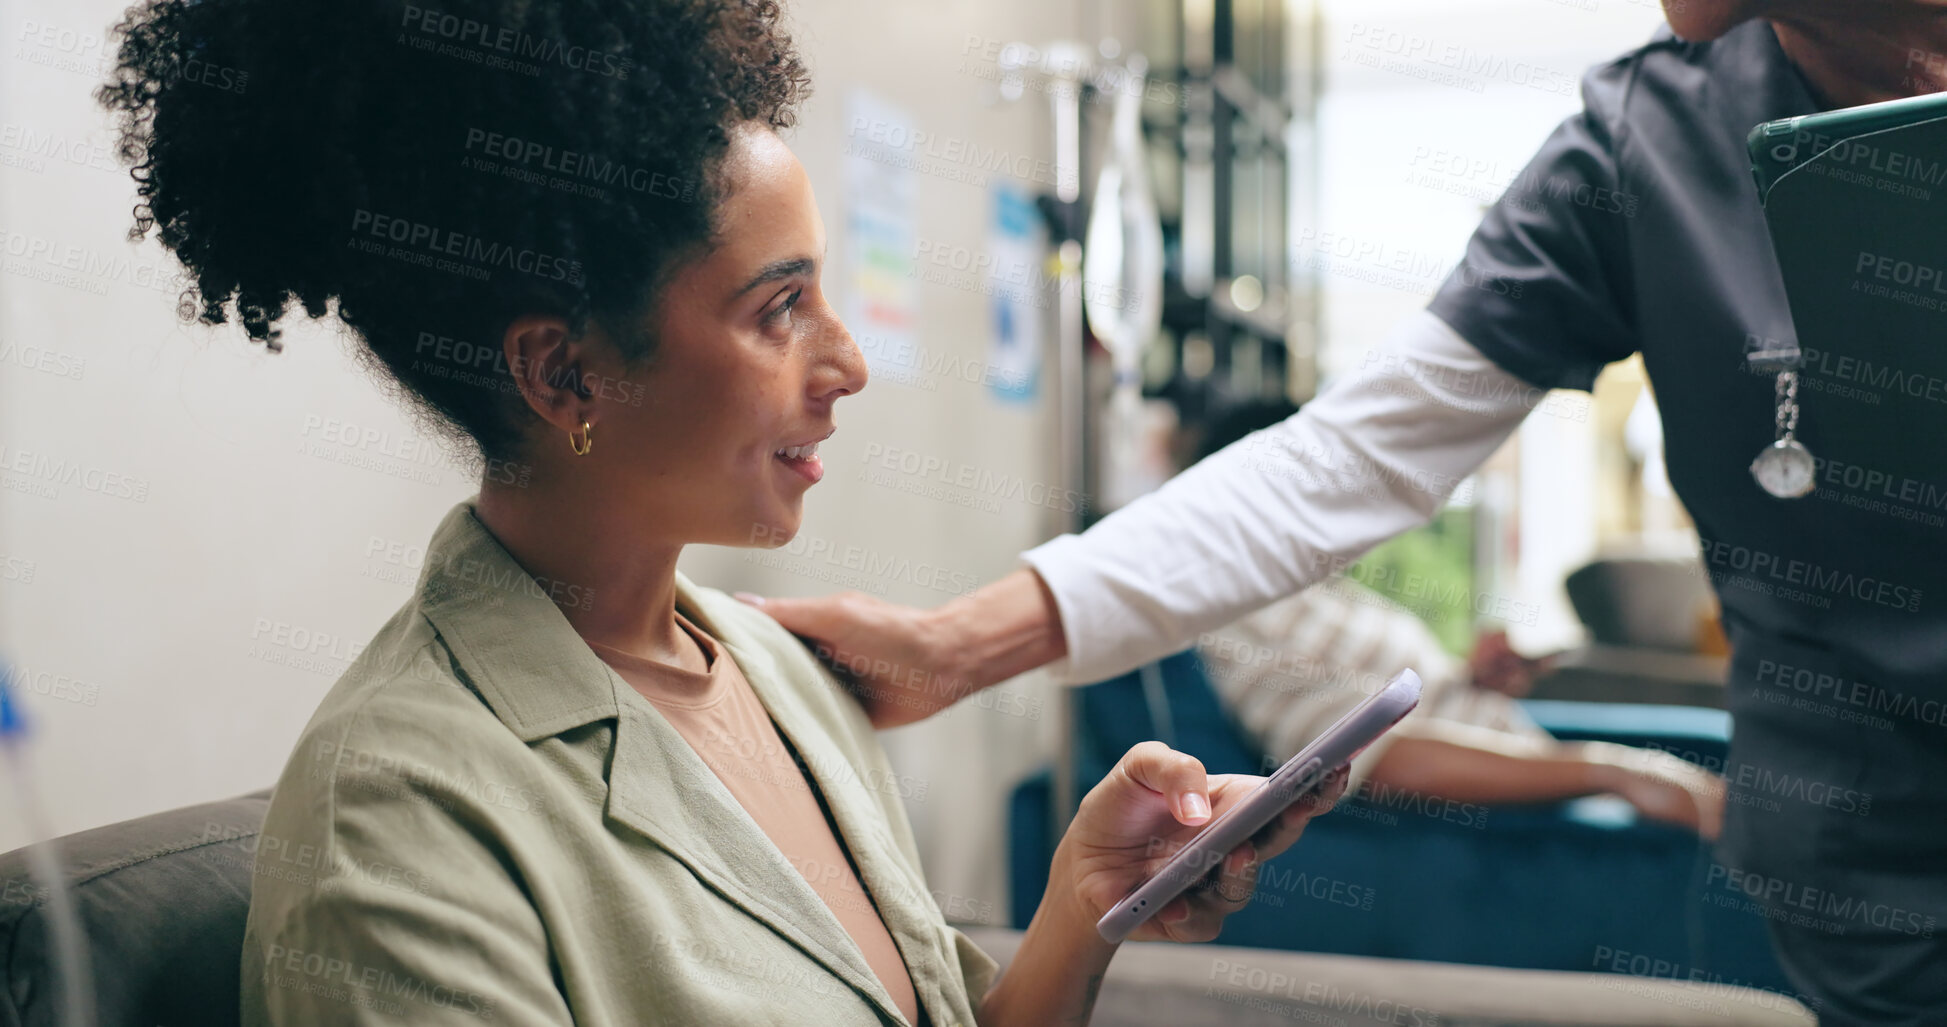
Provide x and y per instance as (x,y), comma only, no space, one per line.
(1155,800)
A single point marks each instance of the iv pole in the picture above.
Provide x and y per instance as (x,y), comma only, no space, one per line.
(1129,319)
(1066,67)
(1070,64)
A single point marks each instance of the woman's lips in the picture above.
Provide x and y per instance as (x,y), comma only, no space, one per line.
(802,460)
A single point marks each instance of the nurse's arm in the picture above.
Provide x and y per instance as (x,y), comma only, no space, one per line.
(1373,456)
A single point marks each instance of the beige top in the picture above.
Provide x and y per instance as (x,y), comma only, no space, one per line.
(484,824)
(722,719)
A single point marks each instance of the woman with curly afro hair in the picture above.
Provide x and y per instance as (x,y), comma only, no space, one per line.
(564,783)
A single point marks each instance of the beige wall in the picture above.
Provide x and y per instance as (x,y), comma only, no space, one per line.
(182,605)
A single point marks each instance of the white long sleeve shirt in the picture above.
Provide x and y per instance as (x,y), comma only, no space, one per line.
(1376,454)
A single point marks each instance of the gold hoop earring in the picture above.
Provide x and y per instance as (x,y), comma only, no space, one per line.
(587,440)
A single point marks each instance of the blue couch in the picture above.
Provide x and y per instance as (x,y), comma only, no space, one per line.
(1572,886)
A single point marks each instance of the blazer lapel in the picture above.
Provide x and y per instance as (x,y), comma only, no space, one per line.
(518,651)
(899,894)
(661,789)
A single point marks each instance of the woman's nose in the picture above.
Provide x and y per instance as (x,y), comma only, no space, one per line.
(844,368)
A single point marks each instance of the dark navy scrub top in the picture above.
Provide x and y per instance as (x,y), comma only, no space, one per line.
(1637,228)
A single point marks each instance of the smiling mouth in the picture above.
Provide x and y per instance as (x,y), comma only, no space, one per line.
(805,450)
(803,459)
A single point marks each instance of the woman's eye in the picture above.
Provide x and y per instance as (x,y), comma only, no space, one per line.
(782,313)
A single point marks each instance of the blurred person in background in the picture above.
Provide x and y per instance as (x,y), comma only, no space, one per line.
(1288,671)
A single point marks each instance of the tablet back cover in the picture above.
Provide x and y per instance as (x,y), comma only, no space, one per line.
(1860,232)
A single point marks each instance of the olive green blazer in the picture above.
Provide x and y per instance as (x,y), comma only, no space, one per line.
(483,823)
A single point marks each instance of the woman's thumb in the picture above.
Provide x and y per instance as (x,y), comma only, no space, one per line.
(1180,777)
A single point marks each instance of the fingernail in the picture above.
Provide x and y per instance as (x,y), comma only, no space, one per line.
(1195,806)
(748,597)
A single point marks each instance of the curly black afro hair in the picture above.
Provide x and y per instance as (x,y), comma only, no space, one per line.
(430,170)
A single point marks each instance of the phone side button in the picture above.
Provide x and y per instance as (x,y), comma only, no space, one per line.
(1307,771)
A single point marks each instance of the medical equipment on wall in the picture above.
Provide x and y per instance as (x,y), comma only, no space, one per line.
(1122,282)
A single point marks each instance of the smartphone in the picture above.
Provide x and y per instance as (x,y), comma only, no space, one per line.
(1299,775)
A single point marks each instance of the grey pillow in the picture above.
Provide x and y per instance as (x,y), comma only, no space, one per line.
(162,901)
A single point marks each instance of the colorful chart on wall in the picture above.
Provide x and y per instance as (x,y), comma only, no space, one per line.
(881,231)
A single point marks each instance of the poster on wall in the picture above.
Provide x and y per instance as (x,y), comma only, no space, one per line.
(882,235)
(1014,347)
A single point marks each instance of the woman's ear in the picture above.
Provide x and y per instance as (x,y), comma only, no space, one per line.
(546,365)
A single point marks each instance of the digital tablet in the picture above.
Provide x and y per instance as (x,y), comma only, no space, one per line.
(1854,201)
(1779,147)
(1299,775)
